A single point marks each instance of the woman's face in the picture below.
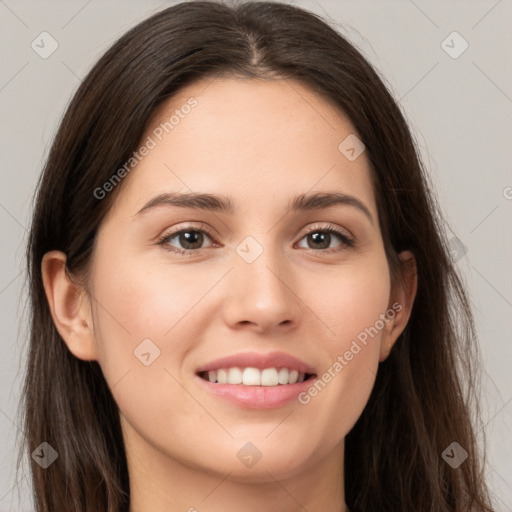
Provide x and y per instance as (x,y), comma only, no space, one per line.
(269,267)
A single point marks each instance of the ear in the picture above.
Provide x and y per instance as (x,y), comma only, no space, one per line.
(69,306)
(400,304)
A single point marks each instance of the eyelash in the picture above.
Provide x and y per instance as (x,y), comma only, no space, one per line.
(346,240)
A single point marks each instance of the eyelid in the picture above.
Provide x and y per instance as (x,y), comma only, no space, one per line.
(327,226)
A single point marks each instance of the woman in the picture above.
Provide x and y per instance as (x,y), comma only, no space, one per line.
(241,295)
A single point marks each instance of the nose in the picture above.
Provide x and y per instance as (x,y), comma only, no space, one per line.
(261,295)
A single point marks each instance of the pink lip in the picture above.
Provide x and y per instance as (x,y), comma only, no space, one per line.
(256,397)
(260,361)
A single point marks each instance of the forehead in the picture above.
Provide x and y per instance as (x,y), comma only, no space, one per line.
(247,139)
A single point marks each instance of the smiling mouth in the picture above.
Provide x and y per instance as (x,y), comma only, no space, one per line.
(255,377)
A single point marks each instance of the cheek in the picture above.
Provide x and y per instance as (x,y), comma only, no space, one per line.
(352,310)
(145,324)
(138,301)
(145,319)
(350,300)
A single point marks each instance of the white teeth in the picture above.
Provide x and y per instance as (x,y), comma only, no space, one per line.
(251,377)
(282,377)
(222,376)
(269,377)
(235,376)
(254,376)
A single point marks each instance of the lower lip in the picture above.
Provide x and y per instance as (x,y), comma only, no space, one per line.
(257,397)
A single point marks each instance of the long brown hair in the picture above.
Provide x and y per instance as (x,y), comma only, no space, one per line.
(425,392)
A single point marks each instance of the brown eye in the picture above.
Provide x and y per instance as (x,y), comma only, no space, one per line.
(185,240)
(321,239)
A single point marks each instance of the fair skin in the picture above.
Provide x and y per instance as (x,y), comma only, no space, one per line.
(261,143)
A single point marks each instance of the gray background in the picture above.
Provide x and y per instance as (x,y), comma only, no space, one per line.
(459,109)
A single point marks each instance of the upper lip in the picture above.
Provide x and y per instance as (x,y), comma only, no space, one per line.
(257,360)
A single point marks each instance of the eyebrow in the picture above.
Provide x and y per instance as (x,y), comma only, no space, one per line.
(223,204)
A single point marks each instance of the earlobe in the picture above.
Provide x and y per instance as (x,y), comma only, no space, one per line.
(68,305)
(401,302)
